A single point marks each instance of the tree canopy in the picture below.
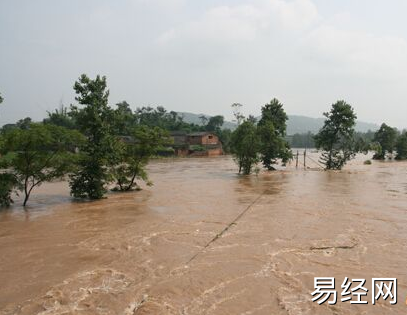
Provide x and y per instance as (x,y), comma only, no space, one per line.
(134,153)
(38,154)
(94,120)
(264,141)
(272,131)
(245,145)
(336,136)
(401,146)
(386,138)
(60,117)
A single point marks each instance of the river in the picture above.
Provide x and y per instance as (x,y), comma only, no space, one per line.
(204,240)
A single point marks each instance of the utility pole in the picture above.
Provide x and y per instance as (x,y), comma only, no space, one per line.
(305,155)
(296,161)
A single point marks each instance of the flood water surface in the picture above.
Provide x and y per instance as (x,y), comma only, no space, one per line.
(204,240)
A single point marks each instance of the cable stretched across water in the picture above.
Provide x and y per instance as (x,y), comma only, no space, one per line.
(227,227)
(316,162)
(235,220)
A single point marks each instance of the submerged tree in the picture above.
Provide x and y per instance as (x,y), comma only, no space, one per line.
(8,185)
(8,181)
(336,136)
(385,138)
(272,131)
(38,154)
(245,145)
(401,146)
(94,120)
(134,154)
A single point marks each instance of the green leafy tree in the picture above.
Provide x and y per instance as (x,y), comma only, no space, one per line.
(225,137)
(215,124)
(401,146)
(159,117)
(8,185)
(386,138)
(60,117)
(245,145)
(94,120)
(203,119)
(364,141)
(336,136)
(8,182)
(124,119)
(38,154)
(301,140)
(272,131)
(134,154)
(24,123)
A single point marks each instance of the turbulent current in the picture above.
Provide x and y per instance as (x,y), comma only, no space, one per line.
(204,240)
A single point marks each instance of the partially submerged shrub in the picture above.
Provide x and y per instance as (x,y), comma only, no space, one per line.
(8,183)
(367,162)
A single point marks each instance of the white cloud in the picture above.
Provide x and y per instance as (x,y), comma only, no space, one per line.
(245,22)
(358,52)
(296,14)
(165,4)
(297,24)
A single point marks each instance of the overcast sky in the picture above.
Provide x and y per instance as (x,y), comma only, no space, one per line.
(202,56)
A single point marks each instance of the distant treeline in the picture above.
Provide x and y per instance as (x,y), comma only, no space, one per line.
(307,140)
(301,140)
(125,119)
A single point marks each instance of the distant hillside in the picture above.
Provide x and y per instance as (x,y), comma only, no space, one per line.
(295,124)
(301,124)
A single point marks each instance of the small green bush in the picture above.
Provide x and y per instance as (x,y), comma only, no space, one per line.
(197,147)
(367,162)
(8,184)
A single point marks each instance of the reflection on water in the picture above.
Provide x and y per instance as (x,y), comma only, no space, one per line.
(129,254)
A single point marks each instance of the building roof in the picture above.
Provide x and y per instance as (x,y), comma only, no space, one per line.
(199,134)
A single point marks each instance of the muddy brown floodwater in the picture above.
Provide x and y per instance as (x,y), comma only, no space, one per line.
(150,252)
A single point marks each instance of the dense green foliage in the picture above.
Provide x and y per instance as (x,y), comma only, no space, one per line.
(37,154)
(264,141)
(245,144)
(124,120)
(95,121)
(336,137)
(134,154)
(8,185)
(159,117)
(214,124)
(60,117)
(385,138)
(401,146)
(8,182)
(301,140)
(272,131)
